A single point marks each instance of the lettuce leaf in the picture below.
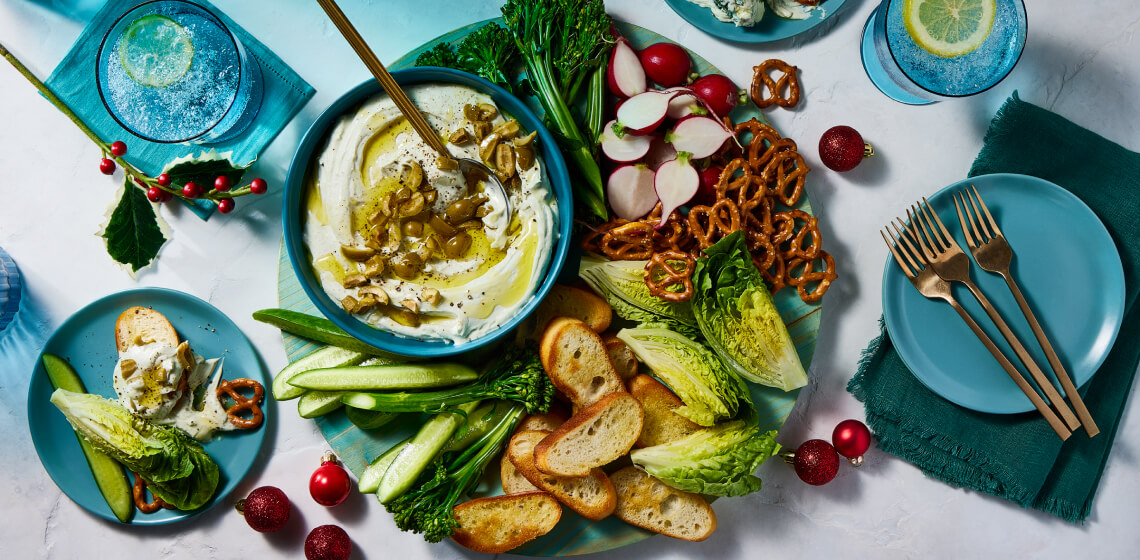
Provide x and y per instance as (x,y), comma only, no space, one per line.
(622,284)
(711,392)
(718,461)
(739,320)
(175,466)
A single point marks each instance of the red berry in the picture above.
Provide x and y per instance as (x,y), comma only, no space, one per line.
(328,542)
(226,205)
(106,166)
(842,148)
(154,194)
(166,196)
(118,148)
(222,183)
(163,180)
(266,509)
(330,484)
(258,186)
(191,190)
(718,91)
(816,462)
(851,439)
(666,63)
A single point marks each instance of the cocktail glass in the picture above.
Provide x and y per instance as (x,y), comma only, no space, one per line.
(170,71)
(909,73)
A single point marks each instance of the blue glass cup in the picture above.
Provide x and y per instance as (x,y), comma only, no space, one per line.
(170,71)
(908,73)
(11,288)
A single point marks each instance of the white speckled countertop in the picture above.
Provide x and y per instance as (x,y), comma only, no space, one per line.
(1079,61)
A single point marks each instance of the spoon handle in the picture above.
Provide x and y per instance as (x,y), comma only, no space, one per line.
(397,94)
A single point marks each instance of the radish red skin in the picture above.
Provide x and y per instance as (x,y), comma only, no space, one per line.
(718,91)
(706,192)
(643,113)
(666,63)
(631,70)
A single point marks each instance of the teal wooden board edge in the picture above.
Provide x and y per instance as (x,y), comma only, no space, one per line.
(574,535)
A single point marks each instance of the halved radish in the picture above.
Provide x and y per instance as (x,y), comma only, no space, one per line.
(624,74)
(676,182)
(666,63)
(621,147)
(660,152)
(683,105)
(700,136)
(631,192)
(642,113)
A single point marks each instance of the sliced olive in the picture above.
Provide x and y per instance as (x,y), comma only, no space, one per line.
(127,367)
(413,229)
(440,226)
(377,218)
(487,146)
(407,266)
(447,164)
(487,111)
(432,245)
(471,224)
(413,175)
(354,280)
(525,156)
(430,296)
(460,136)
(404,317)
(367,303)
(471,113)
(482,129)
(376,292)
(483,210)
(413,206)
(386,205)
(525,140)
(402,195)
(430,195)
(377,237)
(505,160)
(357,253)
(460,211)
(457,245)
(508,130)
(349,304)
(374,267)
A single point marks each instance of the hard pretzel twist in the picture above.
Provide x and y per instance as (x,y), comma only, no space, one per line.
(730,181)
(710,224)
(794,237)
(242,403)
(785,175)
(662,275)
(761,80)
(807,276)
(631,241)
(138,492)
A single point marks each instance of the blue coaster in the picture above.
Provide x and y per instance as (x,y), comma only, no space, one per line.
(74,82)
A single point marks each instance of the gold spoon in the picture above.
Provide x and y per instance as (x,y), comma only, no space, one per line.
(414,116)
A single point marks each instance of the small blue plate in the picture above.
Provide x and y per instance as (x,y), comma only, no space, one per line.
(770,28)
(1068,268)
(87,340)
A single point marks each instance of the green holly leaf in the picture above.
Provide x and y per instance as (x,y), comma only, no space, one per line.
(203,169)
(133,233)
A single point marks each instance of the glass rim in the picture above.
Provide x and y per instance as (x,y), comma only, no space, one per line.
(238,48)
(885,6)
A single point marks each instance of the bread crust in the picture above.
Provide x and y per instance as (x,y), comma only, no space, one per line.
(575,359)
(661,425)
(584,421)
(564,488)
(482,529)
(145,322)
(646,502)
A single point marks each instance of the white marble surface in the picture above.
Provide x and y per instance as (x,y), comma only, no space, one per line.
(1080,62)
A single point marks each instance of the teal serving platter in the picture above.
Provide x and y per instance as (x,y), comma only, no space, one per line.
(87,341)
(770,28)
(1068,268)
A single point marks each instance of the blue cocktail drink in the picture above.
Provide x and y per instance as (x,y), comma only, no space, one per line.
(170,71)
(920,51)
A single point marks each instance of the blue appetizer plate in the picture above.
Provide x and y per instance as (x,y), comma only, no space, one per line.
(1068,268)
(770,28)
(87,340)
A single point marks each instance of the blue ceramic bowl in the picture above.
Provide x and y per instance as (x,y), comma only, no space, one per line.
(295,210)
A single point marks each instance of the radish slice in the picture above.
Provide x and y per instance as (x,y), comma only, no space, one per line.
(643,113)
(660,152)
(676,183)
(626,148)
(700,136)
(685,104)
(631,192)
(624,74)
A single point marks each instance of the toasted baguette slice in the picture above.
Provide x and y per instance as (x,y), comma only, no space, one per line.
(593,496)
(513,481)
(549,422)
(576,360)
(139,325)
(568,301)
(655,506)
(595,436)
(501,523)
(621,356)
(662,425)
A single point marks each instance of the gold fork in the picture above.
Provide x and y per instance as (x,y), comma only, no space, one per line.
(933,286)
(953,265)
(992,252)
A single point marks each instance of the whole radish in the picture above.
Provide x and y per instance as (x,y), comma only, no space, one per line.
(718,92)
(706,190)
(666,63)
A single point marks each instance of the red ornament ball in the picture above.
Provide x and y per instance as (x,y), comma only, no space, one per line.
(258,186)
(852,438)
(327,542)
(226,205)
(266,509)
(106,166)
(118,148)
(842,148)
(816,462)
(330,484)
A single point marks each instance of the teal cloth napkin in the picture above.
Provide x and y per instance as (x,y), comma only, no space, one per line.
(74,82)
(1018,457)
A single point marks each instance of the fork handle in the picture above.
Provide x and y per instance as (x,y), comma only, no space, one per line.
(1038,402)
(1062,375)
(1022,354)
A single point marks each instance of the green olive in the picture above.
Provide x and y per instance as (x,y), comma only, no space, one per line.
(460,211)
(402,195)
(354,280)
(407,266)
(457,245)
(488,145)
(471,224)
(414,205)
(440,226)
(447,164)
(413,229)
(356,253)
(505,161)
(471,113)
(430,195)
(509,129)
(374,267)
(482,129)
(413,175)
(460,136)
(487,111)
(525,156)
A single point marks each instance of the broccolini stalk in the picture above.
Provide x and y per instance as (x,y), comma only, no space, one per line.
(488,52)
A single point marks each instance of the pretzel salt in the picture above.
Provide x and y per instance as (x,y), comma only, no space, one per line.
(242,403)
(762,80)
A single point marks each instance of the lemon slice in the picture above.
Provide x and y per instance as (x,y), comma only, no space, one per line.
(156,51)
(949,28)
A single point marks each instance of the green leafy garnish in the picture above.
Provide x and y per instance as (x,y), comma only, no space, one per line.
(718,461)
(622,284)
(203,169)
(132,234)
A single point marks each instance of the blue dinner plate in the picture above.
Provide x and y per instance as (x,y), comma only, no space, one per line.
(770,28)
(1068,268)
(87,340)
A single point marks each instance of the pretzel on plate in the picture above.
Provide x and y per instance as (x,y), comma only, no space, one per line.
(138,492)
(242,403)
(662,275)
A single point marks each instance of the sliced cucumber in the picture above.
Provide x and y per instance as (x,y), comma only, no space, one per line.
(318,403)
(108,473)
(329,356)
(369,419)
(318,329)
(396,377)
(370,479)
(478,423)
(412,461)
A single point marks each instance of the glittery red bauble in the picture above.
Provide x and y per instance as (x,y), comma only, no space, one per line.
(816,462)
(842,148)
(266,509)
(851,438)
(327,542)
